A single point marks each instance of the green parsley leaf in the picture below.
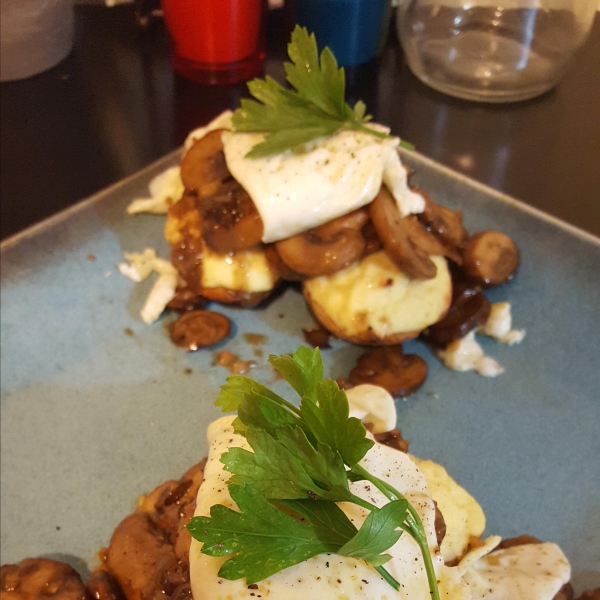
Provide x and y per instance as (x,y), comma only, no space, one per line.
(324,407)
(233,392)
(322,84)
(288,467)
(264,539)
(303,370)
(264,413)
(315,108)
(378,533)
(328,520)
(329,421)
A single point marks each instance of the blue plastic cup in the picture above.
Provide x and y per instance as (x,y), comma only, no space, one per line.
(355,30)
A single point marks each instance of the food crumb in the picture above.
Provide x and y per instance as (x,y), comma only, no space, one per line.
(255,338)
(317,338)
(91,257)
(128,331)
(233,363)
(226,358)
(188,371)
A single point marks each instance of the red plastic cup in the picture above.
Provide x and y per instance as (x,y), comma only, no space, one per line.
(216,41)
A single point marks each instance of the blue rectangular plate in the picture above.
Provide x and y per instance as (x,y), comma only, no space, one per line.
(98,407)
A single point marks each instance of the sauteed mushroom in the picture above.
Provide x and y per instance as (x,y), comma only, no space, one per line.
(230,219)
(469,309)
(400,374)
(199,329)
(326,249)
(490,258)
(398,235)
(203,167)
(36,578)
(446,224)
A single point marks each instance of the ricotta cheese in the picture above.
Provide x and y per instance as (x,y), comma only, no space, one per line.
(162,292)
(499,325)
(466,354)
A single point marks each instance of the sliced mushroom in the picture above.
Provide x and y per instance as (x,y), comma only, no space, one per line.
(468,310)
(589,595)
(566,593)
(40,578)
(490,257)
(325,249)
(203,167)
(393,439)
(185,300)
(429,243)
(279,266)
(228,296)
(372,241)
(446,224)
(199,329)
(521,540)
(397,236)
(139,551)
(439,524)
(400,374)
(230,219)
(103,586)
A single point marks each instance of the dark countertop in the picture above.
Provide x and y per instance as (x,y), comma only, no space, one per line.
(114,105)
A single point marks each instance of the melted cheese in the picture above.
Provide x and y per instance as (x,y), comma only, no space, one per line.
(246,270)
(463,515)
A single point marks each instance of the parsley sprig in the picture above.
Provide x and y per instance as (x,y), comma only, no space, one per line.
(288,487)
(314,108)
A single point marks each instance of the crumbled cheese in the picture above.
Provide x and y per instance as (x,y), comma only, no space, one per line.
(163,291)
(467,355)
(372,404)
(165,189)
(499,325)
(141,264)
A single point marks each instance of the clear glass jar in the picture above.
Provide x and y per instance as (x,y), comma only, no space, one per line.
(492,50)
